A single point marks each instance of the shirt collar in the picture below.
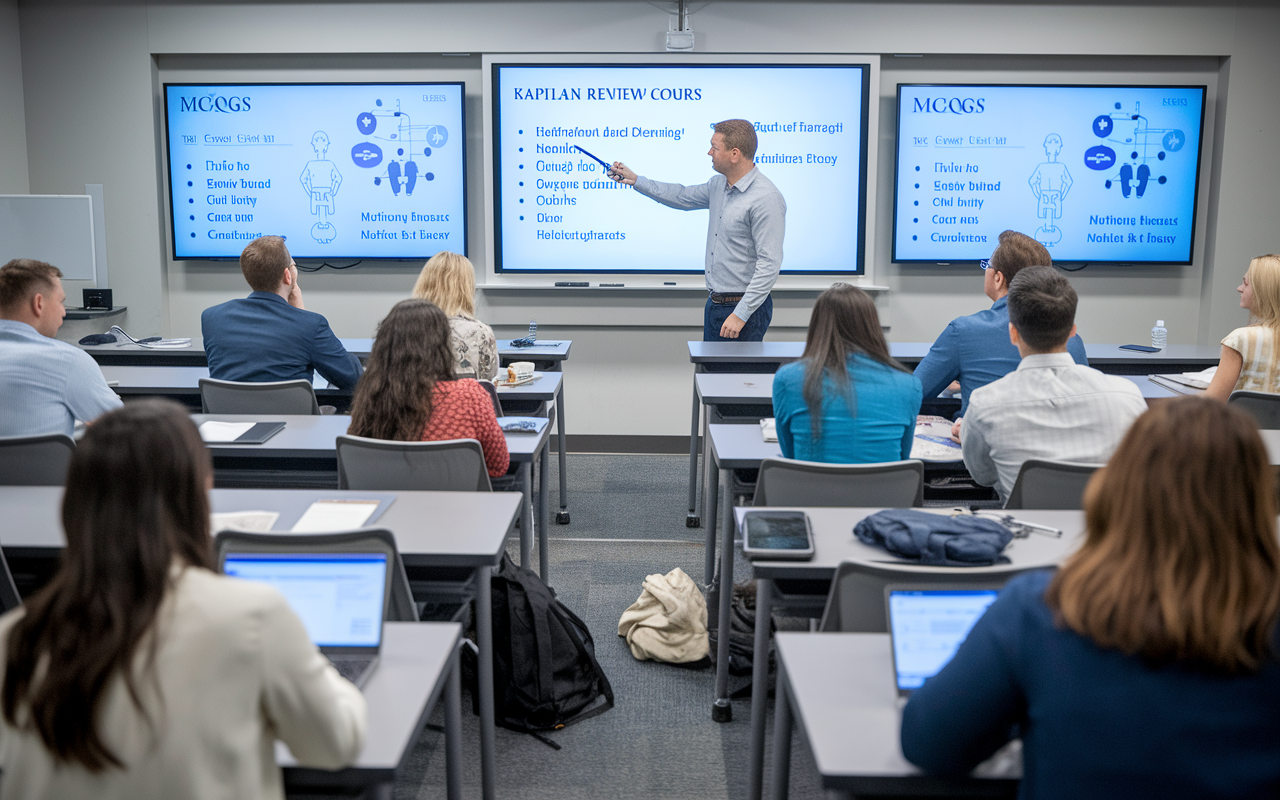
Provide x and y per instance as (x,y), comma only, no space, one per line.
(1001,303)
(1046,360)
(267,296)
(744,183)
(20,328)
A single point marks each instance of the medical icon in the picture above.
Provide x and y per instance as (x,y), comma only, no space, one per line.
(1131,135)
(321,179)
(1050,183)
(403,145)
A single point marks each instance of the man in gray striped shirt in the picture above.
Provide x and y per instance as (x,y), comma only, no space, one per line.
(744,235)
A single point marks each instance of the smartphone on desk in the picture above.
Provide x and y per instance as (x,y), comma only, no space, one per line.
(777,535)
(1141,348)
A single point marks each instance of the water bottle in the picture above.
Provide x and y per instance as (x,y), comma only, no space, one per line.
(1159,335)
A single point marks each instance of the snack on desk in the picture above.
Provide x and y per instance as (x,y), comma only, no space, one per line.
(519,371)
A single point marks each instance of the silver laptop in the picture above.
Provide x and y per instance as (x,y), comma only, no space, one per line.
(340,597)
(927,625)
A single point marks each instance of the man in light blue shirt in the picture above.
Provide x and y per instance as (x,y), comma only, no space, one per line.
(45,385)
(744,235)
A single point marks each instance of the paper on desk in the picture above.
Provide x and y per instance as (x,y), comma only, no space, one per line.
(335,515)
(252,521)
(769,429)
(521,424)
(1196,380)
(213,431)
(933,440)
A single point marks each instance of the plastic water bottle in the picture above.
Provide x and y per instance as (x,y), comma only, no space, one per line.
(1159,335)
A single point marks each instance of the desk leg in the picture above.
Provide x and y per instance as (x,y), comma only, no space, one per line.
(712,499)
(453,729)
(526,513)
(722,711)
(484,633)
(562,516)
(759,687)
(707,479)
(544,512)
(691,521)
(781,738)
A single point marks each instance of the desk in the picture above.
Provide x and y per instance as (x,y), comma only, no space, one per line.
(840,688)
(555,355)
(432,529)
(418,665)
(194,356)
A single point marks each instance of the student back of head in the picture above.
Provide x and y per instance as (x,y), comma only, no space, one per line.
(409,393)
(269,335)
(1250,359)
(846,400)
(139,672)
(1146,667)
(449,281)
(975,350)
(1050,407)
(45,384)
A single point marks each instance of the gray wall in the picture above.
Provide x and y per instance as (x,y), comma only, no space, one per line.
(13,120)
(91,76)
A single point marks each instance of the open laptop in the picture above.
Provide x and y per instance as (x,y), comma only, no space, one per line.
(340,597)
(927,625)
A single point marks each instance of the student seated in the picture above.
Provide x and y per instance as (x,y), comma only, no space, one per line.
(449,281)
(1050,407)
(45,384)
(846,401)
(269,336)
(138,671)
(1146,666)
(409,393)
(1249,354)
(975,350)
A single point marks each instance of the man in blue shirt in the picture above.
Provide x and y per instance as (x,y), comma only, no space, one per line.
(976,349)
(269,336)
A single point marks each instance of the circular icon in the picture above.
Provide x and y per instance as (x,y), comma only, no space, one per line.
(431,177)
(366,123)
(1173,141)
(366,154)
(1099,157)
(1102,126)
(437,136)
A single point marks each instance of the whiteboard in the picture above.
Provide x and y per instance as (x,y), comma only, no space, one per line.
(57,228)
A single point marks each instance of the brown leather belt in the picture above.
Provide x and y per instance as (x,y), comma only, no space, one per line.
(725,299)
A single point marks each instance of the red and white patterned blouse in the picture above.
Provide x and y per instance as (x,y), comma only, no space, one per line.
(462,409)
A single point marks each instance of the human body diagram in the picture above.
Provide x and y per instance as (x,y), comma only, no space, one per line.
(1050,183)
(321,179)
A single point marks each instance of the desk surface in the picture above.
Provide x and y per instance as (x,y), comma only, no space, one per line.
(728,352)
(540,352)
(740,446)
(118,353)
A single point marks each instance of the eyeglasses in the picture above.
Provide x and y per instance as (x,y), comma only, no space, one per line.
(985,263)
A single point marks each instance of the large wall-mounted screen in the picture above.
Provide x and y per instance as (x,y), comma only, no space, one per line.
(1099,174)
(365,171)
(556,211)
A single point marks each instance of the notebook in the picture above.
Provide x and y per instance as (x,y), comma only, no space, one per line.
(926,627)
(340,597)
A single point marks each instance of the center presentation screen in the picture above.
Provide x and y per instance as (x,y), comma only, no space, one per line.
(556,210)
(1096,173)
(339,170)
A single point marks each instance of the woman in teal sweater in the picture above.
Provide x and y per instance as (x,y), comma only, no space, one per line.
(846,401)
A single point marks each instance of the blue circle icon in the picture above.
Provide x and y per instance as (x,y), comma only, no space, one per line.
(1102,126)
(366,154)
(1099,157)
(437,135)
(366,123)
(1173,141)
(430,176)
(379,103)
(426,151)
(400,151)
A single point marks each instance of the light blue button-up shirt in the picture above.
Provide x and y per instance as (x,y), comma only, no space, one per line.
(46,385)
(744,234)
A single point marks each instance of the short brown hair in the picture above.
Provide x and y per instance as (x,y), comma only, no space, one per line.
(263,262)
(1018,251)
(22,278)
(1042,306)
(448,280)
(1180,560)
(738,135)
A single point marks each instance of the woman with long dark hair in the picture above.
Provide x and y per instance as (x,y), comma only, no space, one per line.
(139,672)
(408,392)
(1146,666)
(846,400)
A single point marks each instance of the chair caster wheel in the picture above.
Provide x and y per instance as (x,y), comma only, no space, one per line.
(692,521)
(562,517)
(722,713)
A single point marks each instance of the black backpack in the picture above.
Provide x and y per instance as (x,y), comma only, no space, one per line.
(545,672)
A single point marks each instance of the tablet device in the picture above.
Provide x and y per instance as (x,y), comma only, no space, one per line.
(927,625)
(772,535)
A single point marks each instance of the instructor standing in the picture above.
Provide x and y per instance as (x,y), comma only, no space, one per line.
(744,236)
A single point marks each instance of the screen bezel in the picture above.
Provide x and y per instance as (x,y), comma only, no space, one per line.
(168,189)
(1195,198)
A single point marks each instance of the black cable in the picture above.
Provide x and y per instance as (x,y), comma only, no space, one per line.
(324,264)
(1077,269)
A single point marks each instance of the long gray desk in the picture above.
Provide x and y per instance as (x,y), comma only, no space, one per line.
(418,665)
(432,529)
(834,543)
(553,356)
(840,688)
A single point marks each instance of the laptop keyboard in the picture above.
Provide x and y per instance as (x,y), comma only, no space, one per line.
(353,669)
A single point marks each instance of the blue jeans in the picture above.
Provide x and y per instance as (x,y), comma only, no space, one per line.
(713,317)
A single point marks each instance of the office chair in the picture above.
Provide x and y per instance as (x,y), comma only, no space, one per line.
(493,395)
(35,460)
(452,465)
(1050,484)
(787,482)
(1264,407)
(273,397)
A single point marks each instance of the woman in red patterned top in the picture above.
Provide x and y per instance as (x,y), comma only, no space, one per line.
(408,392)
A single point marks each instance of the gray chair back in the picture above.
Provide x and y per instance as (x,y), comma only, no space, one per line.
(453,465)
(855,603)
(493,395)
(1050,484)
(400,605)
(271,397)
(787,482)
(1264,407)
(35,460)
(9,597)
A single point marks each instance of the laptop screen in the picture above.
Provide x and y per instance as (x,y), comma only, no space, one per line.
(927,627)
(339,596)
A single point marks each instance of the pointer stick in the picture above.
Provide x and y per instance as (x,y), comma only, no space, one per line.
(608,169)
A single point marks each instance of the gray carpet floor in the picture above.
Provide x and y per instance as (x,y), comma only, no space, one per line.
(659,740)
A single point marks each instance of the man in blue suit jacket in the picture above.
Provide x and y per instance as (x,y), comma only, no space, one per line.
(269,336)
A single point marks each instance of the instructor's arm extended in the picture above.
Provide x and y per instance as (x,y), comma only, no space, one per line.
(673,195)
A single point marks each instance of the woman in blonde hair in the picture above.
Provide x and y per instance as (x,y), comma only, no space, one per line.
(449,281)
(1249,354)
(1146,666)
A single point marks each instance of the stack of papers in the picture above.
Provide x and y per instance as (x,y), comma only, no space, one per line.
(1181,382)
(769,429)
(933,440)
(325,516)
(213,431)
(252,521)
